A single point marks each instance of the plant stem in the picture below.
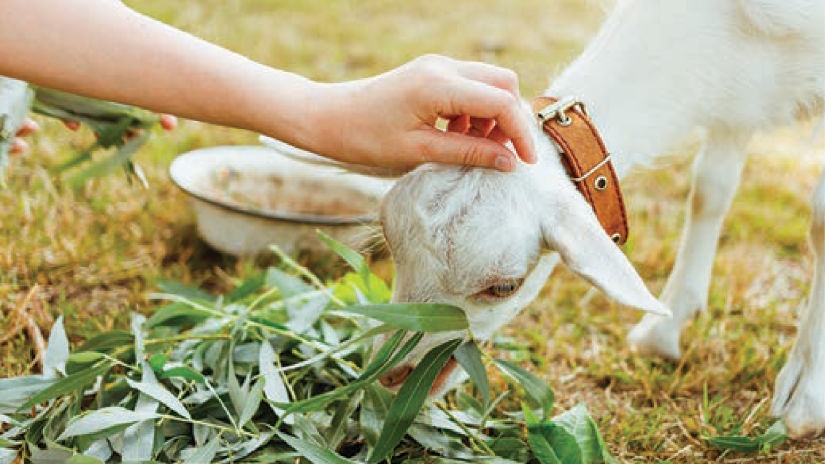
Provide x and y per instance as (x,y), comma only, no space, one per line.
(208,424)
(466,430)
(306,273)
(180,338)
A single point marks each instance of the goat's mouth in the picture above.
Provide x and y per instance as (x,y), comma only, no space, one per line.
(397,376)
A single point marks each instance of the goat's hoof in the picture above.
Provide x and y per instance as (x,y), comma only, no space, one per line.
(799,399)
(655,336)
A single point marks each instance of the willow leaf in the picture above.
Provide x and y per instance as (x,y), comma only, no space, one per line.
(469,357)
(419,317)
(411,397)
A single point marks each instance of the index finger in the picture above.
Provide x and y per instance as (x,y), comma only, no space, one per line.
(479,100)
(489,74)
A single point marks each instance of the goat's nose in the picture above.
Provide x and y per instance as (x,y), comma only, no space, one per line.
(396,376)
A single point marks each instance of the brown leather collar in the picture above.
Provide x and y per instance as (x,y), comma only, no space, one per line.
(587,161)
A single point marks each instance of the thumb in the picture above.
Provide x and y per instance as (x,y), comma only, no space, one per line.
(454,148)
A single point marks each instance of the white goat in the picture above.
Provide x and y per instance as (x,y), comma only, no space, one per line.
(486,241)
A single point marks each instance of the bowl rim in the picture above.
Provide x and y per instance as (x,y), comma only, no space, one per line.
(284,216)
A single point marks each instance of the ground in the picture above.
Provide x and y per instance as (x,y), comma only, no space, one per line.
(92,255)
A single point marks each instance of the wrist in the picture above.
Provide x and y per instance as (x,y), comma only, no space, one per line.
(287,107)
(323,124)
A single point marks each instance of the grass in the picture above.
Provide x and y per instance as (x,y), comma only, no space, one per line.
(93,255)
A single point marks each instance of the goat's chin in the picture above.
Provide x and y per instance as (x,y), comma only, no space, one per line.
(452,380)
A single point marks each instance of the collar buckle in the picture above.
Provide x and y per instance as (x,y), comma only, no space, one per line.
(558,109)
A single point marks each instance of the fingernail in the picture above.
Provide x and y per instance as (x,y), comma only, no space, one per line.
(504,163)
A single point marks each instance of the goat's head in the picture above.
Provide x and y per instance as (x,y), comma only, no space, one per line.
(486,241)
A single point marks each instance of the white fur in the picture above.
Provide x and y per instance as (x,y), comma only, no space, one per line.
(656,70)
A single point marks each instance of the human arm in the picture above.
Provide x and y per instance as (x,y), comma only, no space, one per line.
(102,49)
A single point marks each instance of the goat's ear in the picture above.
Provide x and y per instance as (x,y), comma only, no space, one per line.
(588,251)
(308,157)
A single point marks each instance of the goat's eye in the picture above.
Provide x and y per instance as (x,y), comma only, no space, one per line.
(503,288)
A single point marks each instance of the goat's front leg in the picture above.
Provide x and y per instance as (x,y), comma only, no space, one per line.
(799,395)
(716,173)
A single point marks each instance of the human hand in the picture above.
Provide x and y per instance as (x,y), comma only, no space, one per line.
(30,126)
(389,120)
(19,145)
(167,122)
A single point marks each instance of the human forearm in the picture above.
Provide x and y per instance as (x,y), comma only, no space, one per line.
(102,49)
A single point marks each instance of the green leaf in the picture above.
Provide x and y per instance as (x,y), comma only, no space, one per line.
(538,443)
(51,455)
(508,447)
(274,388)
(380,364)
(253,401)
(157,361)
(16,390)
(57,350)
(178,314)
(352,257)
(469,357)
(108,341)
(383,328)
(237,393)
(304,314)
(139,438)
(307,429)
(136,323)
(382,356)
(186,291)
(351,289)
(313,452)
(287,285)
(578,423)
(419,317)
(373,412)
(184,372)
(775,435)
(206,453)
(80,459)
(535,388)
(338,426)
(68,384)
(121,155)
(736,443)
(605,453)
(247,288)
(411,397)
(103,419)
(82,360)
(162,395)
(83,108)
(563,443)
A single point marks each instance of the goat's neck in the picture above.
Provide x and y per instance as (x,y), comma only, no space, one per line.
(633,121)
(641,93)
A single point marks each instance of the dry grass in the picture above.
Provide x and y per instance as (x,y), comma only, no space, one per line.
(93,255)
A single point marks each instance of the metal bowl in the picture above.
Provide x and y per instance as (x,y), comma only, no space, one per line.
(249,197)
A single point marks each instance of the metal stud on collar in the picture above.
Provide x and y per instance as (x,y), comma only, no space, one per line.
(557,110)
(600,183)
(592,170)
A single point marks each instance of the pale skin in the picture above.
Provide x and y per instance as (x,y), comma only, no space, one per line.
(103,49)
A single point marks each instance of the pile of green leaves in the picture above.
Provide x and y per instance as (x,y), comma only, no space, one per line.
(282,367)
(111,122)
